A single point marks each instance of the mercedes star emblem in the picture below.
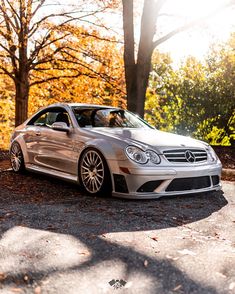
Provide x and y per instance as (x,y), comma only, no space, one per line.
(190,157)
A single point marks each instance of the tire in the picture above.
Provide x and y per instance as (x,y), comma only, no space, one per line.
(94,175)
(17,158)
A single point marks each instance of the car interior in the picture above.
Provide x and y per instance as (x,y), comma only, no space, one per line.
(62,117)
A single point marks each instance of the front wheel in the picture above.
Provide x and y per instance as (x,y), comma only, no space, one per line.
(94,173)
(17,158)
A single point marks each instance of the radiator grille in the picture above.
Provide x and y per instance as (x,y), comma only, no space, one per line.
(186,155)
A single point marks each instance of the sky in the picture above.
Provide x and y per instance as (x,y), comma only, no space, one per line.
(197,40)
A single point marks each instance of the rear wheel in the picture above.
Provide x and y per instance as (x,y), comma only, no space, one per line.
(17,158)
(94,173)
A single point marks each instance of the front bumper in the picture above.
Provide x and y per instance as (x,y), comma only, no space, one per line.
(168,181)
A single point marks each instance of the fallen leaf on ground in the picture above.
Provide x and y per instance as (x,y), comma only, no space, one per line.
(90,236)
(84,253)
(187,252)
(221,275)
(16,290)
(231,286)
(216,235)
(2,276)
(177,288)
(171,257)
(68,210)
(37,290)
(146,263)
(187,206)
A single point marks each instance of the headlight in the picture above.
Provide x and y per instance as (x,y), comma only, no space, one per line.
(153,156)
(142,157)
(211,154)
(136,154)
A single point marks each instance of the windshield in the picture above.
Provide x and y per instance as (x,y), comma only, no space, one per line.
(107,117)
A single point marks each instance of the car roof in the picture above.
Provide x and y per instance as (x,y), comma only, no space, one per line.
(63,104)
(81,105)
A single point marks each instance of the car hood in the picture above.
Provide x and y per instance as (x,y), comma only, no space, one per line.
(150,137)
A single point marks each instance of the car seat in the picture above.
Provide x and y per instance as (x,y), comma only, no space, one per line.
(62,117)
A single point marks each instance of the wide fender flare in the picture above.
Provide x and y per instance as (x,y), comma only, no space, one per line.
(111,152)
(20,140)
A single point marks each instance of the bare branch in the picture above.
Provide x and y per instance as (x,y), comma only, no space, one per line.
(77,61)
(38,7)
(9,51)
(13,9)
(36,25)
(10,74)
(191,24)
(7,19)
(41,46)
(101,38)
(57,78)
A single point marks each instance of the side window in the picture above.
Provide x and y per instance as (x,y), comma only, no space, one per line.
(101,118)
(48,118)
(84,118)
(41,121)
(62,117)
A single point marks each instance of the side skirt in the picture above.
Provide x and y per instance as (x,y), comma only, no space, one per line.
(52,172)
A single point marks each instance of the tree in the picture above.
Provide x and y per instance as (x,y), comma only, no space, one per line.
(90,68)
(6,110)
(26,33)
(219,99)
(198,98)
(137,69)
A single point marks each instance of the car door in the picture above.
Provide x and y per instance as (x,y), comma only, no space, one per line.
(52,149)
(32,135)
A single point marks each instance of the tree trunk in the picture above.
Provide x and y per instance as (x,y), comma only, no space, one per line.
(21,101)
(22,76)
(145,50)
(137,72)
(129,54)
(142,84)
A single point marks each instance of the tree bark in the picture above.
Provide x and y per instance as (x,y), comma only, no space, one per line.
(129,54)
(142,84)
(21,100)
(137,71)
(22,76)
(145,50)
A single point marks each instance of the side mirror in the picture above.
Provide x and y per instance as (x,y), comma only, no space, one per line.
(60,126)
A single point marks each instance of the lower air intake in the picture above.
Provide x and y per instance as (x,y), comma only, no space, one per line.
(186,184)
(215,180)
(149,186)
(120,183)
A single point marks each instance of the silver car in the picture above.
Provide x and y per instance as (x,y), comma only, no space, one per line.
(110,150)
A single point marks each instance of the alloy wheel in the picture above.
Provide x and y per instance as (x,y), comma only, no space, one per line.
(16,157)
(92,171)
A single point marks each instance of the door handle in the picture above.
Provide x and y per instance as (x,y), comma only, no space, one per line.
(38,133)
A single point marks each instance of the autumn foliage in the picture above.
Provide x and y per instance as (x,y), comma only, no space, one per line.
(73,56)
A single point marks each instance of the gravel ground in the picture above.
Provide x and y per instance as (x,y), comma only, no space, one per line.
(54,239)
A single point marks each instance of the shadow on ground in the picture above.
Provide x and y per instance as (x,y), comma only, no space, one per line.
(32,204)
